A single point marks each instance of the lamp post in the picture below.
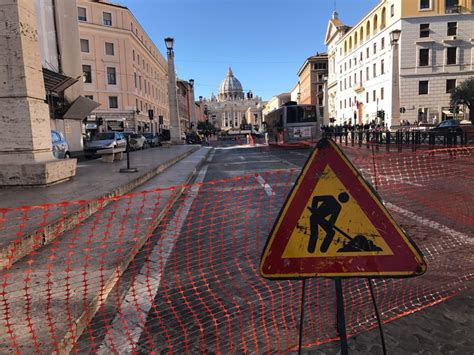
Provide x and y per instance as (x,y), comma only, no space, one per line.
(175,126)
(193,107)
(395,116)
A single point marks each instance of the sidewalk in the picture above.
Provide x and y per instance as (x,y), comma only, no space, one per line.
(49,297)
(27,229)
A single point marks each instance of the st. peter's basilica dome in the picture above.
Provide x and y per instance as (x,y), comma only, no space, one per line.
(231,88)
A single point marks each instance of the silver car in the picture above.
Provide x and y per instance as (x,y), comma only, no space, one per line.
(104,141)
(60,146)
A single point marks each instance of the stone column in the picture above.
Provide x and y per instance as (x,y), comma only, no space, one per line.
(175,124)
(25,136)
(395,114)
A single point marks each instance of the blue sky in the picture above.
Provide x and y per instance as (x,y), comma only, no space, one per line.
(264,41)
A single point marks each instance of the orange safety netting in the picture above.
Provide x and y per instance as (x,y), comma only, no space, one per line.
(141,273)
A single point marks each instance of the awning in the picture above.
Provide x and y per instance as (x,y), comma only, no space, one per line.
(81,108)
(57,82)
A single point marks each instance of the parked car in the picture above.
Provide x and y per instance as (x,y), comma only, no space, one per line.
(193,138)
(60,146)
(452,125)
(137,141)
(104,141)
(152,139)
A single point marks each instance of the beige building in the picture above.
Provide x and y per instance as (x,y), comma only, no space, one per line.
(58,37)
(123,69)
(276,102)
(403,59)
(185,104)
(312,83)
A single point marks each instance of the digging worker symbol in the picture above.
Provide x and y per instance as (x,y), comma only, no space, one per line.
(324,213)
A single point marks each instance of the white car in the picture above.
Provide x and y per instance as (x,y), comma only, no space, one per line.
(137,141)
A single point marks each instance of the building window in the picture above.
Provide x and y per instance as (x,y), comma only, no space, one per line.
(450,85)
(382,44)
(374,95)
(107,18)
(111,76)
(345,83)
(87,72)
(423,87)
(366,97)
(451,55)
(340,104)
(382,94)
(452,28)
(375,48)
(368,53)
(109,48)
(392,10)
(424,57)
(367,76)
(82,14)
(113,102)
(425,4)
(90,97)
(350,81)
(375,70)
(138,59)
(360,77)
(361,57)
(133,54)
(382,67)
(136,80)
(424,30)
(84,45)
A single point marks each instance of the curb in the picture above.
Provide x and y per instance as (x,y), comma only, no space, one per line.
(28,243)
(82,322)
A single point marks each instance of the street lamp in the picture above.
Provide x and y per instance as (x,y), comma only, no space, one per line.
(395,114)
(169,43)
(395,36)
(193,107)
(175,125)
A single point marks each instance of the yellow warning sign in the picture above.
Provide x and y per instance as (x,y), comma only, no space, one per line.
(334,224)
(347,222)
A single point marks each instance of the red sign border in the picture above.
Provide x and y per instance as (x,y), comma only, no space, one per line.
(328,153)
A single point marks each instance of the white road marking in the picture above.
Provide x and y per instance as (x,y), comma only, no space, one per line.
(241,157)
(392,178)
(249,188)
(429,223)
(211,156)
(267,188)
(138,301)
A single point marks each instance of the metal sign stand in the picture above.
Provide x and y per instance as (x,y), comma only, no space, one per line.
(377,314)
(341,319)
(128,169)
(303,291)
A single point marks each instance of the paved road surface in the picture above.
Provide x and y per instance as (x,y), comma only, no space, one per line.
(221,213)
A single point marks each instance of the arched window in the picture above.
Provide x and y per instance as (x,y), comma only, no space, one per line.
(345,47)
(368,29)
(376,22)
(361,34)
(355,40)
(350,43)
(383,19)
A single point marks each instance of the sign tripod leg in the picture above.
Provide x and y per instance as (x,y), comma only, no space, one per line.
(303,291)
(341,319)
(377,314)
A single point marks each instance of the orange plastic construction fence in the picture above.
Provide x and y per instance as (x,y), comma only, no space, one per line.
(176,270)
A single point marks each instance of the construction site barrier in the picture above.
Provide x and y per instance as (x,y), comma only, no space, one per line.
(176,270)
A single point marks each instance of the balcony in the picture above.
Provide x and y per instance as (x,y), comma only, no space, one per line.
(453,9)
(358,88)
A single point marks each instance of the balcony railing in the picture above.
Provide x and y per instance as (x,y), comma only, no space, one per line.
(454,9)
(358,88)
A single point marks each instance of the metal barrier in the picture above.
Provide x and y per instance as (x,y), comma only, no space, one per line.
(412,139)
(144,274)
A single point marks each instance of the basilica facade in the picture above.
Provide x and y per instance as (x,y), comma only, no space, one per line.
(232,107)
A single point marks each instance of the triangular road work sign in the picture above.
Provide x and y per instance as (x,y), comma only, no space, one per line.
(333,224)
